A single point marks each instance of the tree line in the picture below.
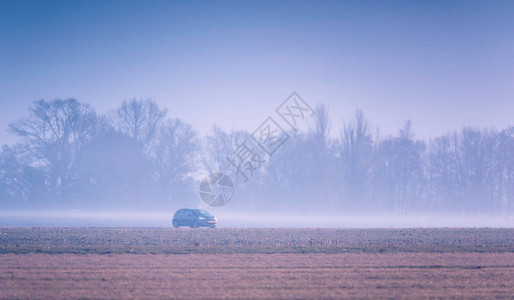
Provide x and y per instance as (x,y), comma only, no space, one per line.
(69,156)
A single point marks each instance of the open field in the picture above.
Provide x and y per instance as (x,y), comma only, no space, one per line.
(258,240)
(77,263)
(201,276)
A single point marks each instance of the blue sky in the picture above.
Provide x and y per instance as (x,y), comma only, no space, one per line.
(443,64)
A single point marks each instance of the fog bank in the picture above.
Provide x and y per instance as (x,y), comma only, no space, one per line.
(245,220)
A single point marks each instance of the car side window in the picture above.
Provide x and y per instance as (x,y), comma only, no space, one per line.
(180,213)
(189,213)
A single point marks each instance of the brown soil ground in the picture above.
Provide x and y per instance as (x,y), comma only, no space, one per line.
(61,240)
(279,275)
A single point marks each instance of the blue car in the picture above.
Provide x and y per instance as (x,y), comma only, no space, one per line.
(193,218)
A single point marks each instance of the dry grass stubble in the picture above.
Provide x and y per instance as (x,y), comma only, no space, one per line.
(399,275)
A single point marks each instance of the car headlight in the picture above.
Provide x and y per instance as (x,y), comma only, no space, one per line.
(201,218)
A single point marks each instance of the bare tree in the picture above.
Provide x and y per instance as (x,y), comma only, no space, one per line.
(320,162)
(322,125)
(219,145)
(54,134)
(400,168)
(13,184)
(139,119)
(444,171)
(356,159)
(505,158)
(175,154)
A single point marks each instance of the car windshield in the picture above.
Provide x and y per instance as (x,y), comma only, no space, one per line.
(202,212)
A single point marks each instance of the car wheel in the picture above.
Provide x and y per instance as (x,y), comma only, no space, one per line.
(175,223)
(195,224)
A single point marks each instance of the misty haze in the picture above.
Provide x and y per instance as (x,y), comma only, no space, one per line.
(256,149)
(135,158)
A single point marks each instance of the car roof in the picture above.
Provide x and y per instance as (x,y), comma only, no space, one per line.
(191,209)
